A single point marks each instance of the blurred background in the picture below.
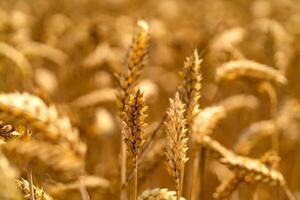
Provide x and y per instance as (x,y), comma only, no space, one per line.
(67,52)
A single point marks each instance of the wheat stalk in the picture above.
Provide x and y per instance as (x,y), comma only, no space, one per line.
(158,194)
(133,129)
(176,142)
(249,69)
(127,81)
(30,111)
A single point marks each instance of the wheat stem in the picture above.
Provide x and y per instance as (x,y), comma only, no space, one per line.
(195,171)
(123,188)
(288,192)
(135,178)
(30,181)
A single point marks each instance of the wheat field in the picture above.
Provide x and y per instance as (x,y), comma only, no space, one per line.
(149,100)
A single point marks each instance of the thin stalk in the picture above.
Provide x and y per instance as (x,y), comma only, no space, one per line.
(123,188)
(193,193)
(288,193)
(202,159)
(135,179)
(30,181)
(180,186)
(83,192)
(271,93)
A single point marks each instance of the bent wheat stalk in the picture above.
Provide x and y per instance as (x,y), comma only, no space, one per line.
(249,69)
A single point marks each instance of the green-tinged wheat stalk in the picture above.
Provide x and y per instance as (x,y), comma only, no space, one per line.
(176,142)
(133,129)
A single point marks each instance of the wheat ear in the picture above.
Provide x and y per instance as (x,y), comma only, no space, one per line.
(189,91)
(158,194)
(249,69)
(31,112)
(127,81)
(176,142)
(39,194)
(44,158)
(133,129)
(32,49)
(281,42)
(247,169)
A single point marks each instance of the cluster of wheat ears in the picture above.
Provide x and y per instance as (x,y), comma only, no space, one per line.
(44,155)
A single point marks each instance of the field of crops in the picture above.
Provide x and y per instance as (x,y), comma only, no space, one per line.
(149,99)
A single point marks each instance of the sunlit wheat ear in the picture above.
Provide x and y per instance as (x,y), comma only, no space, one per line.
(247,169)
(281,42)
(39,194)
(206,121)
(176,141)
(89,182)
(35,49)
(189,89)
(158,194)
(8,186)
(133,129)
(228,186)
(250,70)
(134,122)
(240,101)
(31,112)
(17,57)
(128,77)
(253,134)
(44,159)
